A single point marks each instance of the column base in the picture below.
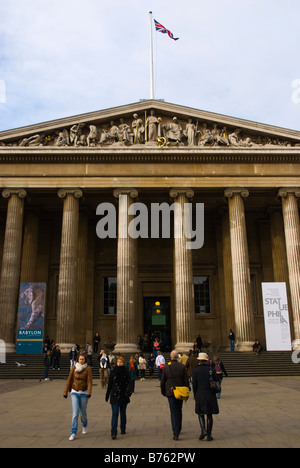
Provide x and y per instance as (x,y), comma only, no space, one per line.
(66,347)
(126,348)
(8,348)
(244,346)
(184,347)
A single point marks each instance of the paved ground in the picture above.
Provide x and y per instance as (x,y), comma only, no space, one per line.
(254,413)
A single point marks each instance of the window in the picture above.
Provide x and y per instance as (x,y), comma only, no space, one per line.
(202,295)
(110,295)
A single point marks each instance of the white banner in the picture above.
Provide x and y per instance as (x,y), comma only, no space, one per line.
(276,313)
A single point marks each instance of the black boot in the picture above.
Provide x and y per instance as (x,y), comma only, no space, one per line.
(209,427)
(202,425)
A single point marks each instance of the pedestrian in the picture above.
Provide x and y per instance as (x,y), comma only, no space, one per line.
(174,375)
(257,348)
(160,363)
(56,354)
(220,370)
(79,385)
(199,343)
(104,365)
(156,347)
(192,362)
(205,400)
(73,357)
(119,391)
(47,363)
(132,367)
(231,338)
(151,365)
(142,366)
(89,352)
(97,341)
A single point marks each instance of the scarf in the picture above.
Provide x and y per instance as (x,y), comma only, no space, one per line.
(131,365)
(79,367)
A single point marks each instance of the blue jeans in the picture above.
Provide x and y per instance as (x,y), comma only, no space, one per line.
(232,346)
(116,408)
(79,406)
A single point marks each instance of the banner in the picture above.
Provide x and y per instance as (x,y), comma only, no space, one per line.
(31,318)
(276,314)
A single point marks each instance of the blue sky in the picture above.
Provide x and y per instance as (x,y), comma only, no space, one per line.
(61,58)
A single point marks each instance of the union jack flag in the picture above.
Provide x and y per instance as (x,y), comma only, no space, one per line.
(160,28)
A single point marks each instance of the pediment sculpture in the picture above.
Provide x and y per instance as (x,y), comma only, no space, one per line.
(149,130)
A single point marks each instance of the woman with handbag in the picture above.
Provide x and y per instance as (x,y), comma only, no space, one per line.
(119,392)
(204,377)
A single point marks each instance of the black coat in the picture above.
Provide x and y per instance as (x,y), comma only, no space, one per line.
(119,386)
(178,378)
(205,400)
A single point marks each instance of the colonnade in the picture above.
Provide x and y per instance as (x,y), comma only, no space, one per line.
(238,261)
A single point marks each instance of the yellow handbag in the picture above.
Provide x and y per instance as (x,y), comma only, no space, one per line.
(181,393)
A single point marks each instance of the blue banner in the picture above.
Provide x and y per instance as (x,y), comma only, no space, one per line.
(31,318)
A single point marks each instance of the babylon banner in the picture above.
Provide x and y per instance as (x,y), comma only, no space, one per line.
(31,318)
(276,314)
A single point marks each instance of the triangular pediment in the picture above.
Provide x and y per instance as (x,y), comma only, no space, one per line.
(149,124)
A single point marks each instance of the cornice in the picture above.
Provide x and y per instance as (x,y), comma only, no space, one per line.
(142,155)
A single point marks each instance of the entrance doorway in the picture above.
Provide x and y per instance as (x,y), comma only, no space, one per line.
(157,319)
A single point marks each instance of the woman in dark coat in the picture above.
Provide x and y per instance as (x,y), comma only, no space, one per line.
(119,391)
(205,399)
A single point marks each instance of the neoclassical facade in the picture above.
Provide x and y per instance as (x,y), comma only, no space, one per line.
(55,175)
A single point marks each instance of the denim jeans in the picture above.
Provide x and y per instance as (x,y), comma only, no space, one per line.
(116,408)
(79,406)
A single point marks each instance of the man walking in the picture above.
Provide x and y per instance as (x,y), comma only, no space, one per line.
(174,375)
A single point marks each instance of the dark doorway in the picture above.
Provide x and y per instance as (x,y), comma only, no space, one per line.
(157,319)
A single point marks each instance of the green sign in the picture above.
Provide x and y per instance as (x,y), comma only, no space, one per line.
(158,319)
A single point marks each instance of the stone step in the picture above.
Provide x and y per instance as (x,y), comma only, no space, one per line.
(236,364)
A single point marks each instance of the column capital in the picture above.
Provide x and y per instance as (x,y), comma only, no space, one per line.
(8,192)
(231,191)
(76,192)
(286,191)
(132,192)
(175,192)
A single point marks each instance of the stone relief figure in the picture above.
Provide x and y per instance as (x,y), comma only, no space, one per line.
(62,138)
(152,127)
(138,130)
(205,136)
(173,132)
(76,136)
(125,133)
(190,133)
(220,136)
(34,140)
(92,136)
(109,137)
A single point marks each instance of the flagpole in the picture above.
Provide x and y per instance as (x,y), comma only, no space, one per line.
(151,59)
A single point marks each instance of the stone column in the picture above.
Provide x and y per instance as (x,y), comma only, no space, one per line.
(11,263)
(244,321)
(183,274)
(227,265)
(81,297)
(66,301)
(30,248)
(290,212)
(126,277)
(278,245)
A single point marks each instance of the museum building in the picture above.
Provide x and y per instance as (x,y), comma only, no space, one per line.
(235,183)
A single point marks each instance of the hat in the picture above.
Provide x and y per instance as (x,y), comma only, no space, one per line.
(203,357)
